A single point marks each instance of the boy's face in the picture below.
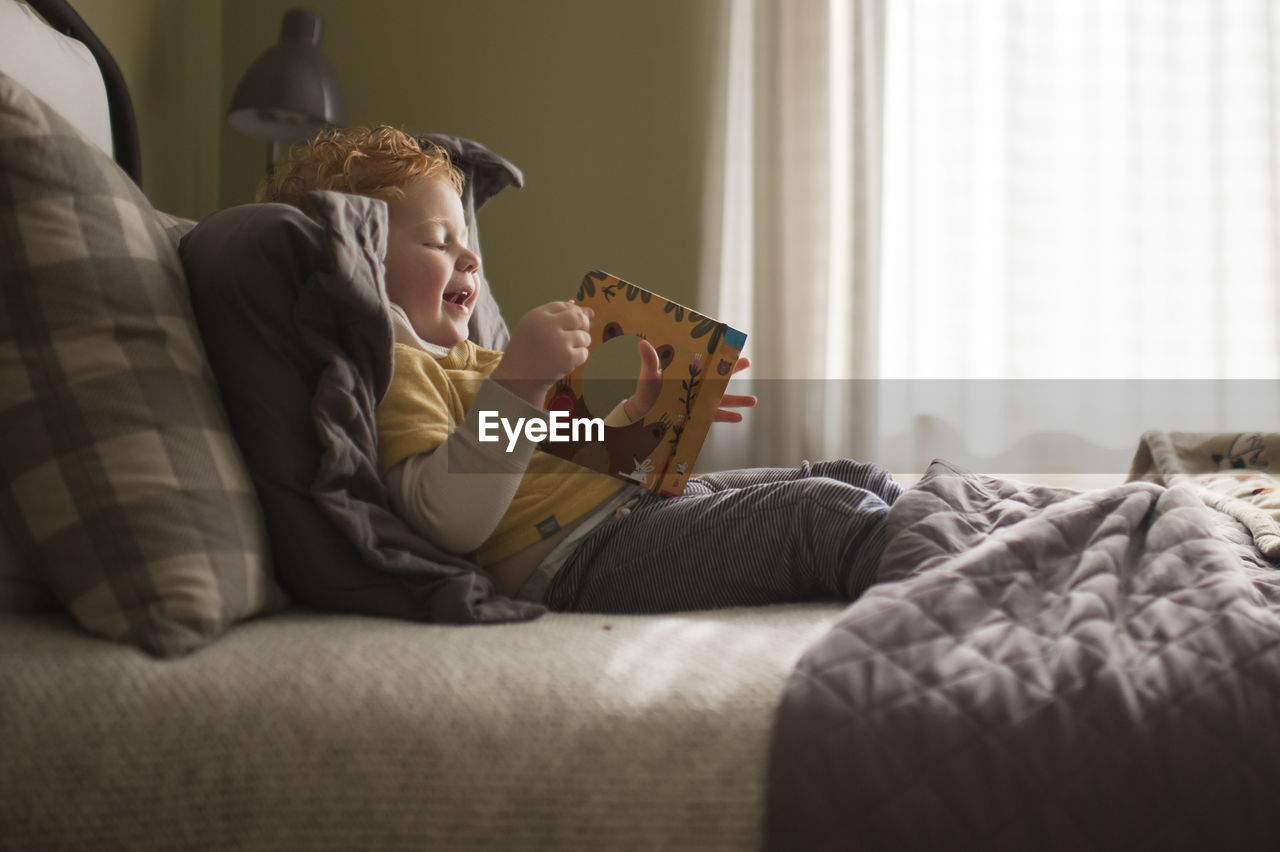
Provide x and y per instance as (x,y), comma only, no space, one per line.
(431,273)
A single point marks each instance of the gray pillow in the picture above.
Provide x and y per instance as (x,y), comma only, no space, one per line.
(121,487)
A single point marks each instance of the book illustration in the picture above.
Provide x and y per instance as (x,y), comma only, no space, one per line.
(697,355)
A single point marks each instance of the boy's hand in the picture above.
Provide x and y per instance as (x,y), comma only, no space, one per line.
(547,343)
(648,385)
(725,414)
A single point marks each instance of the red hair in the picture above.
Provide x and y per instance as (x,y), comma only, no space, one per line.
(375,162)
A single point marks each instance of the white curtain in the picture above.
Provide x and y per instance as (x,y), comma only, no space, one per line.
(792,236)
(1061,227)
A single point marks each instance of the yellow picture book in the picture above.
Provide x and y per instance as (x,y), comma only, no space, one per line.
(697,355)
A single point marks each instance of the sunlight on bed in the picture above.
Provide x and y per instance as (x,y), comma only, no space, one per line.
(711,645)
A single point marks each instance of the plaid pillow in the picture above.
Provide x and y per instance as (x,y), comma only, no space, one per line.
(20,589)
(119,480)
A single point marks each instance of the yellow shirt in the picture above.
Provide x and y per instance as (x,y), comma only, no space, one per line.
(426,401)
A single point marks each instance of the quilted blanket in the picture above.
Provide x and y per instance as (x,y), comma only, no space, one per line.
(1041,668)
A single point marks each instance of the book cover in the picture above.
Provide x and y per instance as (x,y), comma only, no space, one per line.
(697,355)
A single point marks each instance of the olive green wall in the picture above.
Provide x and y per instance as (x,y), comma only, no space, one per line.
(602,103)
(171,56)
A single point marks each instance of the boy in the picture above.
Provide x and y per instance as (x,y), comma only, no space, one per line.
(548,530)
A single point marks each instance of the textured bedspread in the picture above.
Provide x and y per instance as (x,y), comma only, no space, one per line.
(1041,669)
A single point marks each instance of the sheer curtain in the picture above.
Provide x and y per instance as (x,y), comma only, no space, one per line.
(792,237)
(1068,235)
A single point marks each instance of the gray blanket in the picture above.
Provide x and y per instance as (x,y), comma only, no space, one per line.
(293,318)
(1041,668)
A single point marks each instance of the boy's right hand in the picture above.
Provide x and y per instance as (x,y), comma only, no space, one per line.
(547,343)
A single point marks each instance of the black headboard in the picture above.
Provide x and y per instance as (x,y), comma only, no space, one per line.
(124,124)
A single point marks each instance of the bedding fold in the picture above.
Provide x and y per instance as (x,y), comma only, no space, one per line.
(1232,472)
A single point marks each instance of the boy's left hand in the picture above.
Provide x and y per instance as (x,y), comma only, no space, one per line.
(649,385)
(728,402)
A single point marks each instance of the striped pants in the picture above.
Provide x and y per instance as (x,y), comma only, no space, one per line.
(738,538)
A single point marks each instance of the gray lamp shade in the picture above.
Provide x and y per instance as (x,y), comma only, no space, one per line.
(292,90)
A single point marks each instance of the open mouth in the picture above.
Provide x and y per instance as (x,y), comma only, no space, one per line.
(458,297)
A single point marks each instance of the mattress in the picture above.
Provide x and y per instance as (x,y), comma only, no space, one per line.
(343,732)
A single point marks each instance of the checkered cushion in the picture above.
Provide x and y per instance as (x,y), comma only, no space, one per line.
(121,485)
(20,589)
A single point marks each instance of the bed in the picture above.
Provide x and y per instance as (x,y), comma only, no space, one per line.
(214,634)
